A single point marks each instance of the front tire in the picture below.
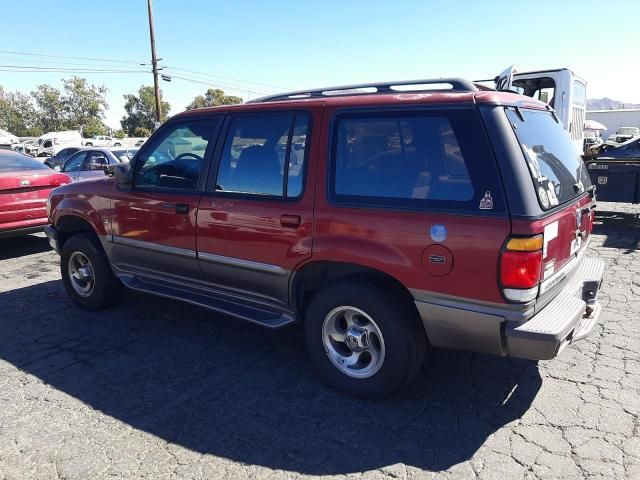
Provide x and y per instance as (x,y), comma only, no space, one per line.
(364,340)
(87,275)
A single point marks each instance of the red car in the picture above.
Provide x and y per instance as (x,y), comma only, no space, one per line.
(388,218)
(25,185)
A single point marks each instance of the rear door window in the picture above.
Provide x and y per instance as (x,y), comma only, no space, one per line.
(414,160)
(264,155)
(556,168)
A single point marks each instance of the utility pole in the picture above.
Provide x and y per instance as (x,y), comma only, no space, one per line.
(154,62)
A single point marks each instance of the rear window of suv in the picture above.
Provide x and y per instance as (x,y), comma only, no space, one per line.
(557,170)
(414,159)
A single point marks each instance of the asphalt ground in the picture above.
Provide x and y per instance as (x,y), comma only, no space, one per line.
(157,389)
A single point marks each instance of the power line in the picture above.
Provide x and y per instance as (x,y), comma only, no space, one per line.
(33,54)
(205,78)
(25,69)
(211,84)
(57,62)
(227,78)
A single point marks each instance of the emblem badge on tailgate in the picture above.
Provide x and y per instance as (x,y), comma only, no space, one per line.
(25,183)
(602,180)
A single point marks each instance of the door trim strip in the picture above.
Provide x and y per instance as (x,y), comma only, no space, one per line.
(156,247)
(238,262)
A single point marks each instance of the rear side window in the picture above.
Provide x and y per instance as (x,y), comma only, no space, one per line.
(264,155)
(14,162)
(556,168)
(414,160)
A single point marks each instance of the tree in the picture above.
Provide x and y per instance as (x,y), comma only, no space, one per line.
(84,106)
(140,111)
(93,128)
(213,98)
(17,114)
(120,134)
(49,108)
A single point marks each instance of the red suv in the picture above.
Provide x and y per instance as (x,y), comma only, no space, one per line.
(387,218)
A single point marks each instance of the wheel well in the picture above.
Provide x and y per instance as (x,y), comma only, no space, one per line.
(70,225)
(315,276)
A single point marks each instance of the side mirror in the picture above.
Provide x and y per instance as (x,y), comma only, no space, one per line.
(123,175)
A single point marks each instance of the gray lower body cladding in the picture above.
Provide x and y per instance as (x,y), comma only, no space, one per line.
(510,330)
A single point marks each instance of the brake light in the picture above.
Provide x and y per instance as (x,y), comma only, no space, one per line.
(520,267)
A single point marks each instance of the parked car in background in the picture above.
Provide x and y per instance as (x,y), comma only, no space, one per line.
(124,154)
(59,159)
(415,216)
(8,139)
(89,163)
(629,150)
(626,133)
(102,141)
(140,142)
(51,143)
(25,184)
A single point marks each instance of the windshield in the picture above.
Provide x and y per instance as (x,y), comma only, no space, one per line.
(556,168)
(124,153)
(14,162)
(628,131)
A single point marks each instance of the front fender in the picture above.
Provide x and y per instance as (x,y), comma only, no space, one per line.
(96,211)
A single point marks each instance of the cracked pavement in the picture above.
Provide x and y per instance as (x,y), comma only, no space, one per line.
(158,389)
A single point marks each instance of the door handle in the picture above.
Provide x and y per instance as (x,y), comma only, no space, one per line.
(182,208)
(290,221)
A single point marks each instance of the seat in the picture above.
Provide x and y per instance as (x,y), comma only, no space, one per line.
(258,171)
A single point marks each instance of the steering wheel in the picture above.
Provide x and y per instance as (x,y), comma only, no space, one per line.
(188,154)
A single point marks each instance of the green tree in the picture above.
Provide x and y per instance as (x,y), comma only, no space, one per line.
(141,132)
(17,114)
(140,111)
(84,106)
(49,108)
(120,134)
(213,98)
(94,127)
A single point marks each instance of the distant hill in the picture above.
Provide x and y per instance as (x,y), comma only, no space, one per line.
(607,103)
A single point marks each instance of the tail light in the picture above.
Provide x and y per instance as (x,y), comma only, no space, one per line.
(520,268)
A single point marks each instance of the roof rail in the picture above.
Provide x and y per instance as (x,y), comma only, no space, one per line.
(457,84)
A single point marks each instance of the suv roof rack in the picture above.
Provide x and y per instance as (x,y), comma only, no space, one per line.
(457,84)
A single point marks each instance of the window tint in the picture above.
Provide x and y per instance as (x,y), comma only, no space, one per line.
(13,162)
(400,158)
(556,168)
(257,153)
(297,156)
(175,158)
(74,164)
(96,161)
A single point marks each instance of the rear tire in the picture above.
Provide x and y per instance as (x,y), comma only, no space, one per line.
(387,323)
(87,275)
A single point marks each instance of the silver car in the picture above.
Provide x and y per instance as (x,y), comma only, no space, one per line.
(90,163)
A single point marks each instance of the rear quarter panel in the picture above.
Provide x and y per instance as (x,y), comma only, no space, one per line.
(394,241)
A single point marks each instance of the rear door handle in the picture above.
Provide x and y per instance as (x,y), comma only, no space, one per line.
(290,221)
(182,208)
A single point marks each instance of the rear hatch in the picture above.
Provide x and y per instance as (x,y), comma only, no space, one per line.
(563,191)
(23,195)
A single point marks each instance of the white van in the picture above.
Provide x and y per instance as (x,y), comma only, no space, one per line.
(560,88)
(51,143)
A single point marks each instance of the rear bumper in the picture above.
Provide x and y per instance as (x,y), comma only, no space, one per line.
(54,238)
(569,317)
(517,331)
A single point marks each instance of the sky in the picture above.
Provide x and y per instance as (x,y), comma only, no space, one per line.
(250,48)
